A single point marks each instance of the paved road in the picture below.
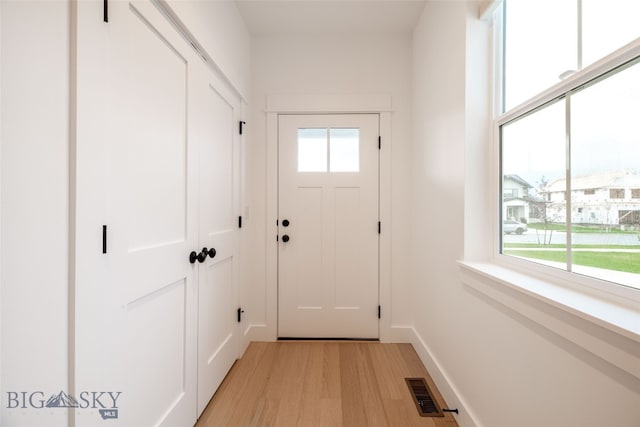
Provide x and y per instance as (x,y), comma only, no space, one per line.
(535,236)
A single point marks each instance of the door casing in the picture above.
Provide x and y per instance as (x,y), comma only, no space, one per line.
(266,329)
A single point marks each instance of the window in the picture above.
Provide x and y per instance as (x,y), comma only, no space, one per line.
(576,34)
(570,129)
(312,150)
(510,193)
(334,150)
(616,193)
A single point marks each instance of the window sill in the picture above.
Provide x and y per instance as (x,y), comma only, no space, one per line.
(611,330)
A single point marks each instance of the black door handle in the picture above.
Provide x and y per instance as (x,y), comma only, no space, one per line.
(193,256)
(211,253)
(285,238)
(202,256)
(285,222)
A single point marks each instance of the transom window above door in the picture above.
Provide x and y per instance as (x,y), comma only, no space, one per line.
(329,150)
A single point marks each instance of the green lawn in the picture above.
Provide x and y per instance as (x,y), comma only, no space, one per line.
(618,261)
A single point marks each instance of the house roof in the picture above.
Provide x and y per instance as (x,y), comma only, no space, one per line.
(610,179)
(518,180)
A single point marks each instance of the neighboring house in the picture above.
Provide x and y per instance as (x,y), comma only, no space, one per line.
(609,198)
(515,198)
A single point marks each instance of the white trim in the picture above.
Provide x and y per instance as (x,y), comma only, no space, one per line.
(452,396)
(385,218)
(327,103)
(317,104)
(165,9)
(538,299)
(487,10)
(1,222)
(271,230)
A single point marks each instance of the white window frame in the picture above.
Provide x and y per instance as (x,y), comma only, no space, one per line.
(594,314)
(612,61)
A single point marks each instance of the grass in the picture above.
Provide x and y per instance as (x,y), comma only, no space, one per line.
(619,261)
(578,228)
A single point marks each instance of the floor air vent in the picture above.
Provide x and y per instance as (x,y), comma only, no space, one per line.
(423,398)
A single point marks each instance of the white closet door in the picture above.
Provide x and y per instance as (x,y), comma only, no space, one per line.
(136,306)
(215,132)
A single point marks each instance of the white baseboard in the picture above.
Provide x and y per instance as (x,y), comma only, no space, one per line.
(400,334)
(451,394)
(258,332)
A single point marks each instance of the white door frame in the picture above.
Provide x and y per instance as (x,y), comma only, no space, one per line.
(318,104)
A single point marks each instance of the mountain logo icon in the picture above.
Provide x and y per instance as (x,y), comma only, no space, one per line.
(62,400)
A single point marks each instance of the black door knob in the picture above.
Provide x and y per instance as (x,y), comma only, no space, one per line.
(212,253)
(193,256)
(285,222)
(202,256)
(285,238)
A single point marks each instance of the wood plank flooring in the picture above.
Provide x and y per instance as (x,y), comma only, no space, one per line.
(318,383)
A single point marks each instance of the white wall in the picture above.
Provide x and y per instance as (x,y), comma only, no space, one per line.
(330,65)
(34,200)
(499,367)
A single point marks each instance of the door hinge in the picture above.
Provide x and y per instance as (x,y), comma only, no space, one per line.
(105,10)
(240,311)
(379,142)
(240,221)
(379,312)
(379,227)
(104,239)
(241,125)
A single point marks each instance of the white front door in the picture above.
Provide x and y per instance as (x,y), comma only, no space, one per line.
(328,226)
(215,133)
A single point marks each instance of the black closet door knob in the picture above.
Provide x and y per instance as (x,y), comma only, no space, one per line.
(212,253)
(193,256)
(202,256)
(285,222)
(285,238)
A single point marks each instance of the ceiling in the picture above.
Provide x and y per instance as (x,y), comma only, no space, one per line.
(271,17)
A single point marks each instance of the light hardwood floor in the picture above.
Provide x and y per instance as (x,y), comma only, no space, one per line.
(333,384)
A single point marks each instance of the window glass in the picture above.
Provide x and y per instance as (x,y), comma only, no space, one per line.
(539,46)
(542,48)
(608,25)
(344,154)
(605,158)
(534,164)
(312,150)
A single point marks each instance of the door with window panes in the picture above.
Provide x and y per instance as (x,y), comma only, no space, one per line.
(328,226)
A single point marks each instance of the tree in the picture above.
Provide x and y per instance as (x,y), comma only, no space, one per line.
(541,205)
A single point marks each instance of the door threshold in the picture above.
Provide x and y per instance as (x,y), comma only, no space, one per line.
(327,339)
